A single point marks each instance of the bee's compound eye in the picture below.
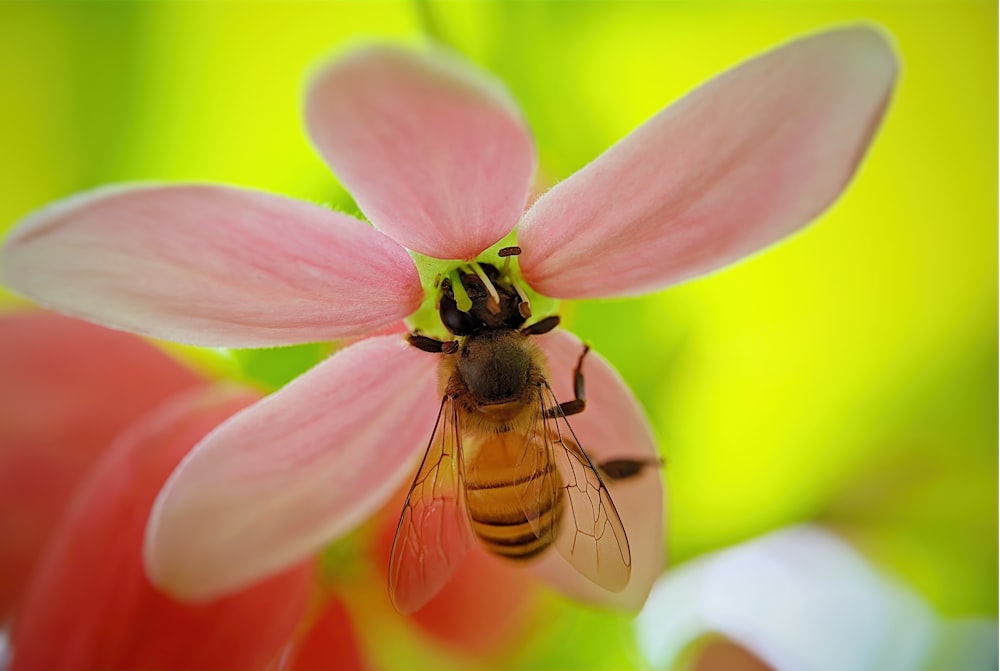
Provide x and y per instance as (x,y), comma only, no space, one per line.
(457,322)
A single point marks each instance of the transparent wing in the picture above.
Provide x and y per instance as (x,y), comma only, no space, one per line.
(537,494)
(433,536)
(588,533)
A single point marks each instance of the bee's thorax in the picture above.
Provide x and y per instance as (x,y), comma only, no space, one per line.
(495,366)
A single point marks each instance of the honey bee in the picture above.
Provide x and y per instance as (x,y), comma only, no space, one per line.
(503,465)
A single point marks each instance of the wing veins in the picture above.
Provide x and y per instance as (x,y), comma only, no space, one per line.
(433,530)
(581,479)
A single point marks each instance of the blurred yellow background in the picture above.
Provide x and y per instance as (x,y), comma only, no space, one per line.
(848,375)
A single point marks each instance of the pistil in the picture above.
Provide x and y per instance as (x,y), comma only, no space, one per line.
(462,299)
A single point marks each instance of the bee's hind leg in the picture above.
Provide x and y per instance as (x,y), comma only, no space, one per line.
(432,345)
(623,468)
(579,403)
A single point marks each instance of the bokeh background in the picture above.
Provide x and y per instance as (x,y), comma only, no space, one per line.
(847,375)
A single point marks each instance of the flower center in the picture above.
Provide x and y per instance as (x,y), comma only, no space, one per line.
(480,296)
(462,296)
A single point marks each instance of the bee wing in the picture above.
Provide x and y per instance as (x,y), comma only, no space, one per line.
(589,532)
(433,536)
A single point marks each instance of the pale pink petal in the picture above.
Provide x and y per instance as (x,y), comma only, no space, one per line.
(210,265)
(741,162)
(434,152)
(286,476)
(613,426)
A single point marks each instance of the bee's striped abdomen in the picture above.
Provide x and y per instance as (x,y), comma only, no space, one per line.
(500,517)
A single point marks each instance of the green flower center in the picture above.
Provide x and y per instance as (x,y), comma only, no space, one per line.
(433,271)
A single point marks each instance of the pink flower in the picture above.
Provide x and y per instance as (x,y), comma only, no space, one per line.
(439,159)
(63,398)
(93,422)
(486,609)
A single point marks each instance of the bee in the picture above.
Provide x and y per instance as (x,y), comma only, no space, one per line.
(503,465)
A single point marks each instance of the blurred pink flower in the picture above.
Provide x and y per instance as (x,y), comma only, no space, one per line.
(328,641)
(440,161)
(484,609)
(93,422)
(67,388)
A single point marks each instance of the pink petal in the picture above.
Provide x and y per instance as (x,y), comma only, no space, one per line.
(283,478)
(613,426)
(211,265)
(67,388)
(741,162)
(434,152)
(91,606)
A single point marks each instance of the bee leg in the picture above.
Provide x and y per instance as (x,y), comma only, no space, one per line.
(542,326)
(432,345)
(577,405)
(623,469)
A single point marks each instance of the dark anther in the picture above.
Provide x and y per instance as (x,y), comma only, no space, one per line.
(509,251)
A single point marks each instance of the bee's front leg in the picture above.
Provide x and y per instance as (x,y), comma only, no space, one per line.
(432,345)
(541,327)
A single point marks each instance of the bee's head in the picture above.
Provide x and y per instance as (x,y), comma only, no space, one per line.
(500,308)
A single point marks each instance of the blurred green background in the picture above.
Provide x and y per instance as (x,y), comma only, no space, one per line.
(848,375)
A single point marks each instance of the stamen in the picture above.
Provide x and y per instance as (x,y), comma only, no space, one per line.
(462,299)
(505,254)
(524,307)
(489,286)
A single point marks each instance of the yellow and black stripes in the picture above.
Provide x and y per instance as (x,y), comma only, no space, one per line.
(509,523)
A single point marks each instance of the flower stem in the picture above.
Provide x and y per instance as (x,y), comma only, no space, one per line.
(428,22)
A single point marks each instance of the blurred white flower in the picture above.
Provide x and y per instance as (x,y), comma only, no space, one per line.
(801,598)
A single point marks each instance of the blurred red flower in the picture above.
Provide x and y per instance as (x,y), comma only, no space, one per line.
(93,422)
